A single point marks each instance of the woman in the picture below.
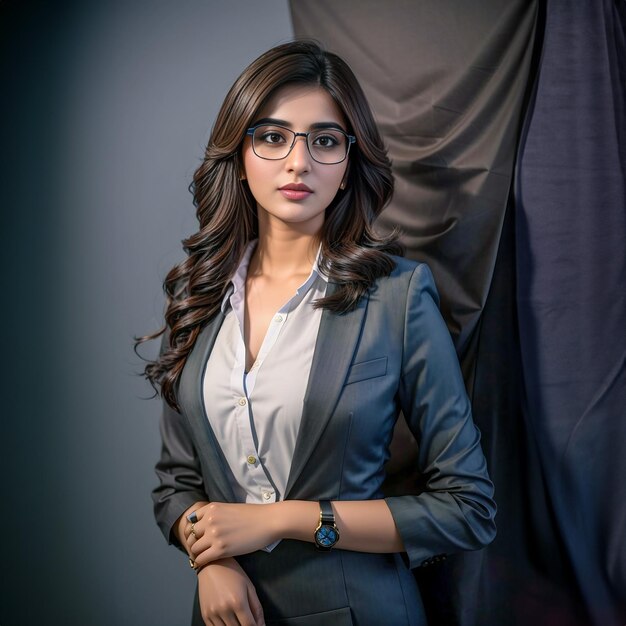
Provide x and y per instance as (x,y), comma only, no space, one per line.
(293,339)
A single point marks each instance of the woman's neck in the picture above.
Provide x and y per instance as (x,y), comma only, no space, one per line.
(283,254)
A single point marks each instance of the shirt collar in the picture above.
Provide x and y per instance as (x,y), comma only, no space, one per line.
(236,287)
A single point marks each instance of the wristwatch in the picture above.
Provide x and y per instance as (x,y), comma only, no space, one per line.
(326,534)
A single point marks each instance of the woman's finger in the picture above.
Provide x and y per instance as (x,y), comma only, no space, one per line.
(199,546)
(192,533)
(198,514)
(228,619)
(255,606)
(208,555)
(244,617)
(224,616)
(236,620)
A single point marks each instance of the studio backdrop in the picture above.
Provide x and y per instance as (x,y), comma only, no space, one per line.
(505,122)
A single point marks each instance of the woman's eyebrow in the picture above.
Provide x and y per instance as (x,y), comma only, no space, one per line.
(327,125)
(276,122)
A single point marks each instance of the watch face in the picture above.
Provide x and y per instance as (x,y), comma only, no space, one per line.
(326,536)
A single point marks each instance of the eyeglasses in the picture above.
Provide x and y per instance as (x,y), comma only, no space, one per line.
(326,145)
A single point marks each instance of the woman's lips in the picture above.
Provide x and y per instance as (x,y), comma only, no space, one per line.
(296,191)
(295,194)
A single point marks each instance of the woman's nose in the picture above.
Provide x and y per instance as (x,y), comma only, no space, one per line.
(299,159)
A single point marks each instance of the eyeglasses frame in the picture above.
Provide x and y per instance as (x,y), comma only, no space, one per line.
(252,129)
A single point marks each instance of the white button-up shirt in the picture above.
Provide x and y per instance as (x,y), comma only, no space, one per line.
(256,415)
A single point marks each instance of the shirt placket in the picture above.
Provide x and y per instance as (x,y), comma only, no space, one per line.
(244,410)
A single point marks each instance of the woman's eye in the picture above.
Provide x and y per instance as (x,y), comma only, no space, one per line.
(326,141)
(272,137)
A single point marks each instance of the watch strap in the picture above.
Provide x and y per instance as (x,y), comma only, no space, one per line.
(326,512)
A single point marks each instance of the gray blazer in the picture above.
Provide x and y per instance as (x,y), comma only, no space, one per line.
(392,353)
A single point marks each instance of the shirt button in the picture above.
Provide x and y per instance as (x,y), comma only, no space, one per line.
(251,460)
(278,318)
(267,495)
(242,402)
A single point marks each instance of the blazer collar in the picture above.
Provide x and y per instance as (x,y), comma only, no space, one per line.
(336,344)
(191,402)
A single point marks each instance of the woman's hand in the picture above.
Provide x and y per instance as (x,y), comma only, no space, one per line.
(227,596)
(224,530)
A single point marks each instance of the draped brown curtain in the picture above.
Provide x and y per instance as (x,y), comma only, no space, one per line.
(446,81)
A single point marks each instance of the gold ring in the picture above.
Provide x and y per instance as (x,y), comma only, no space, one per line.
(192,564)
(193,530)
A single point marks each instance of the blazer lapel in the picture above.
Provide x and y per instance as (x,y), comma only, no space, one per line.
(334,351)
(192,405)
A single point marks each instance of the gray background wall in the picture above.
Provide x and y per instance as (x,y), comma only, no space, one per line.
(106,110)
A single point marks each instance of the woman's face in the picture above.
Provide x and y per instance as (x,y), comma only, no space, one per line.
(300,108)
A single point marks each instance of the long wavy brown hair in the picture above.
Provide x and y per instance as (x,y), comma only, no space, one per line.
(353,256)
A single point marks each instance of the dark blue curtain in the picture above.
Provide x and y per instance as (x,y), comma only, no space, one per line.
(571,294)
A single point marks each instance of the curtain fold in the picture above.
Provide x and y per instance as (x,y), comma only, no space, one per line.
(446,82)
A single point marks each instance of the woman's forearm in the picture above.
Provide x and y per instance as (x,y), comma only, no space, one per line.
(364,525)
(225,529)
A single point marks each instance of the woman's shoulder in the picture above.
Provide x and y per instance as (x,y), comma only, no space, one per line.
(408,269)
(403,265)
(408,275)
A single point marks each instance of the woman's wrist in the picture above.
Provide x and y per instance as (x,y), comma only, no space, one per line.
(295,519)
(223,561)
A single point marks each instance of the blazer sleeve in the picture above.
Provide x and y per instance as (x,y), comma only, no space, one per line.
(455,511)
(178,470)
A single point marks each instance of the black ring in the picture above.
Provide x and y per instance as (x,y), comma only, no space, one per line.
(192,517)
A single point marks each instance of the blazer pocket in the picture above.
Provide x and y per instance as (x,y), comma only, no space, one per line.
(367,369)
(338,617)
